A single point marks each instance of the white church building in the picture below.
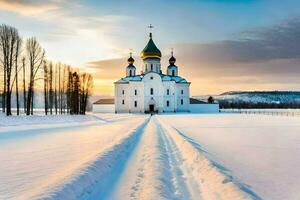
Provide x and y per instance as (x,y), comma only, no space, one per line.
(152,90)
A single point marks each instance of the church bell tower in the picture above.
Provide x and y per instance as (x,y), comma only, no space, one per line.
(151,56)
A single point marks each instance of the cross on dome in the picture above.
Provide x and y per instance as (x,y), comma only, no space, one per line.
(172,60)
(150,30)
(130,59)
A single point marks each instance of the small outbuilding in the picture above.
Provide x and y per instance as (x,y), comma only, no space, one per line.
(197,106)
(104,106)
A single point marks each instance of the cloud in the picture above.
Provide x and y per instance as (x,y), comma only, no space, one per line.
(74,35)
(261,44)
(265,58)
(27,7)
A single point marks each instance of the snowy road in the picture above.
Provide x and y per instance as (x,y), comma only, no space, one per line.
(154,170)
(41,160)
(110,157)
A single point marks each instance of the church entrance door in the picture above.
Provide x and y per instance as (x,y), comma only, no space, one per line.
(151,108)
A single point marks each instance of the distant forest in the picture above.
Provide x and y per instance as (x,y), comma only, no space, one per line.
(262,93)
(25,71)
(250,105)
(260,99)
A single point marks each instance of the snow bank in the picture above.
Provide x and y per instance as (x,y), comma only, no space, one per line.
(261,151)
(212,179)
(39,160)
(96,179)
(42,119)
(58,119)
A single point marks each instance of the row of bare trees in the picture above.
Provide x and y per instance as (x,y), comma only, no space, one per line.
(65,89)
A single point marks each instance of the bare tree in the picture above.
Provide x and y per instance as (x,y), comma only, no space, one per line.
(4,60)
(55,90)
(36,56)
(75,93)
(63,89)
(50,87)
(18,46)
(24,83)
(9,46)
(59,89)
(86,85)
(69,89)
(46,81)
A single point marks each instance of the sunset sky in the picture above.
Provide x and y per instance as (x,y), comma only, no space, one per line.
(220,45)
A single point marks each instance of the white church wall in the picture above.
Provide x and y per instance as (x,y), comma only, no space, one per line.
(183,97)
(169,97)
(122,100)
(103,108)
(153,80)
(136,96)
(204,108)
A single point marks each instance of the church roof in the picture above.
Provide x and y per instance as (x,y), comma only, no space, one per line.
(196,101)
(164,77)
(105,101)
(151,50)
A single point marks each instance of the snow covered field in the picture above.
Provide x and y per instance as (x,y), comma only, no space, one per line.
(260,151)
(184,156)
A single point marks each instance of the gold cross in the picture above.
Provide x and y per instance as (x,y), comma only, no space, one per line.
(150,27)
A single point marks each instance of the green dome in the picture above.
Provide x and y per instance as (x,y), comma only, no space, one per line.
(150,51)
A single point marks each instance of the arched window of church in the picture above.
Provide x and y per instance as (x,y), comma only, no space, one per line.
(123,102)
(168,92)
(168,103)
(130,73)
(151,67)
(135,103)
(151,91)
(181,91)
(181,101)
(123,91)
(135,92)
(173,72)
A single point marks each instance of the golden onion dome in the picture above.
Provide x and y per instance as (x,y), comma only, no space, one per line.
(130,60)
(150,51)
(172,60)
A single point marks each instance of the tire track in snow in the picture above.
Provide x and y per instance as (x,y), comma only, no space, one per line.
(184,185)
(214,184)
(141,178)
(154,170)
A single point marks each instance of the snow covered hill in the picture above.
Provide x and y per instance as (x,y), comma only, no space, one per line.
(258,97)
